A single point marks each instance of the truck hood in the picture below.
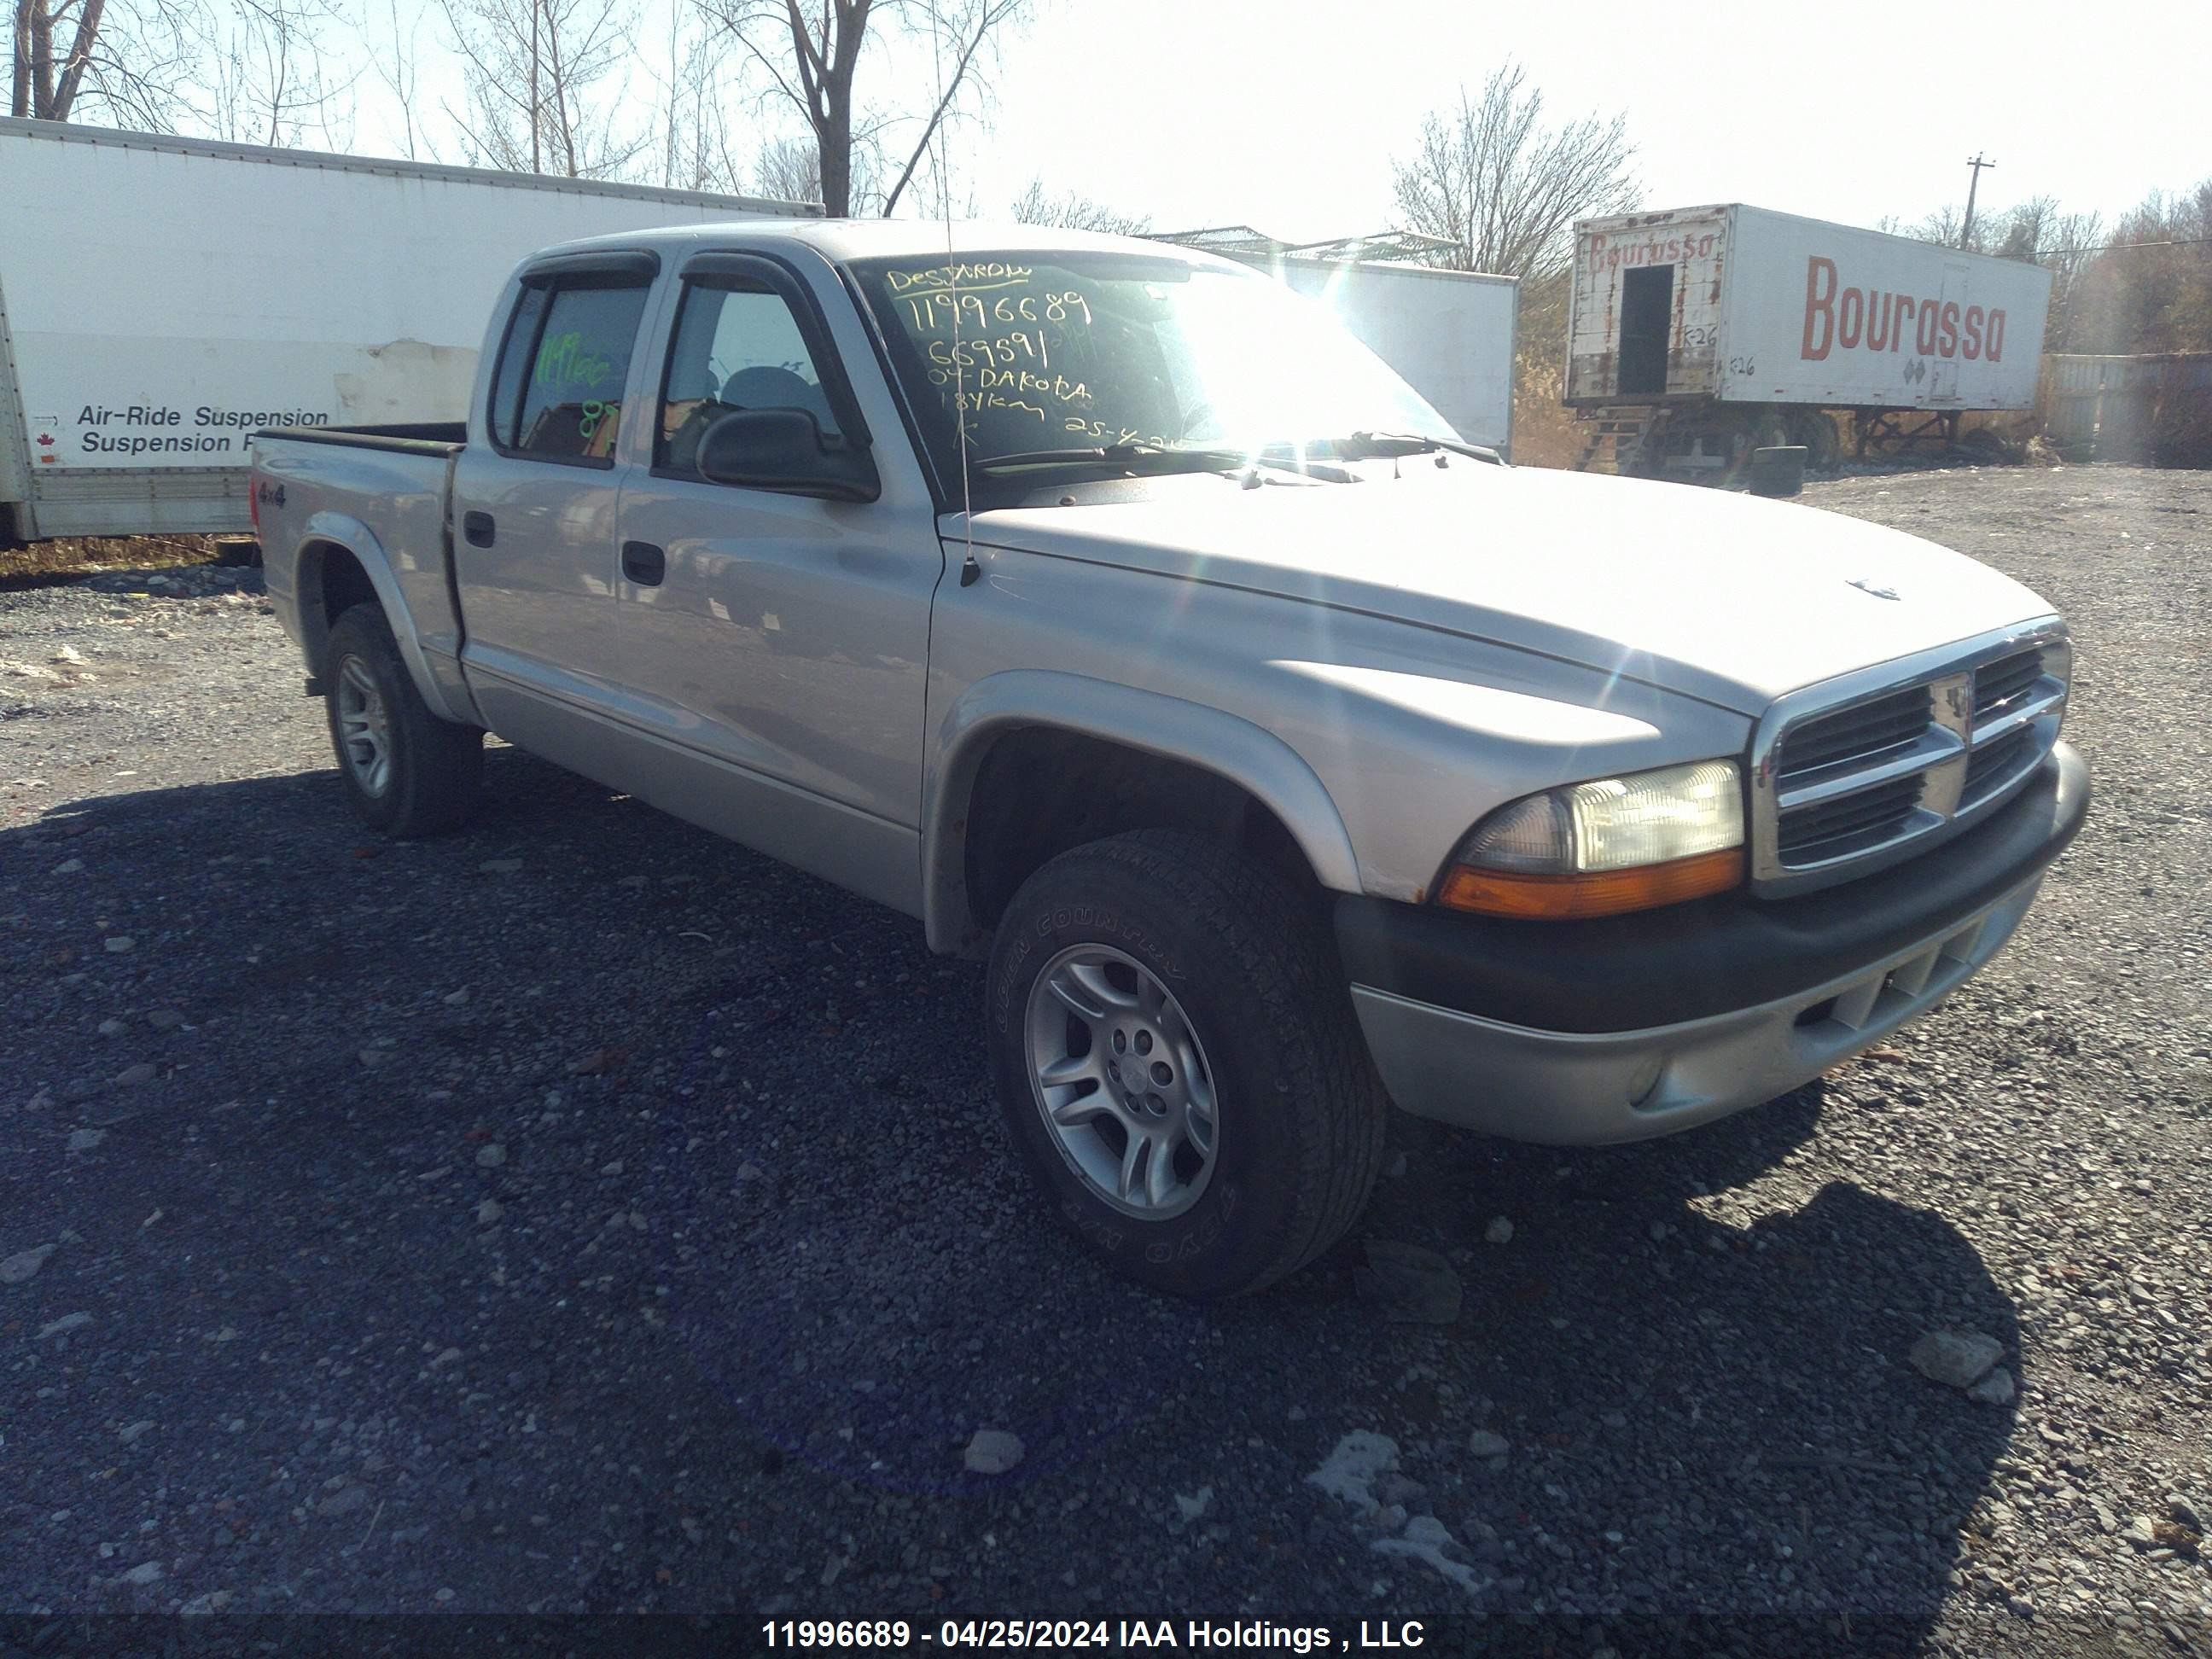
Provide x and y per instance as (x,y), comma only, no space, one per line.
(1726,598)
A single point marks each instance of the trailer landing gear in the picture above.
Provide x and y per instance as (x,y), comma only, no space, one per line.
(1904,429)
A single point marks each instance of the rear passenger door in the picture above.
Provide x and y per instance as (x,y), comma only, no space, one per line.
(535,494)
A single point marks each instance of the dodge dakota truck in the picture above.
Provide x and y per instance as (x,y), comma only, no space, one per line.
(1107,608)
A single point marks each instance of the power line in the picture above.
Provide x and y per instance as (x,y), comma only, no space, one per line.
(2114,247)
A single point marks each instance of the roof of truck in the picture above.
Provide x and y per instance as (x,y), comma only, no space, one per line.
(872,238)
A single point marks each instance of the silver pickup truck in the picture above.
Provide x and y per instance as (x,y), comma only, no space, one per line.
(1105,607)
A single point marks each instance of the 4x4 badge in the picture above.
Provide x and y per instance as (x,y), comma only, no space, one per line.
(1874,588)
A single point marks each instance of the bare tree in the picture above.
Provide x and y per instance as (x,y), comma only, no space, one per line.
(790,170)
(126,61)
(535,73)
(2038,231)
(1945,227)
(808,56)
(2150,288)
(2068,249)
(699,149)
(1073,211)
(395,68)
(1492,179)
(266,81)
(40,87)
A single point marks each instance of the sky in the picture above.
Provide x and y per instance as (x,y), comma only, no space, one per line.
(1285,114)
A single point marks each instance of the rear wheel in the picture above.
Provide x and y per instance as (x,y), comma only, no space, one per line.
(1178,1061)
(406,772)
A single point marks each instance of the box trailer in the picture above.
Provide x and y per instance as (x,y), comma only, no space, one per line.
(160,298)
(1449,334)
(1697,335)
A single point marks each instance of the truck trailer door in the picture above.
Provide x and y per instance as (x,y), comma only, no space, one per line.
(1647,311)
(1943,369)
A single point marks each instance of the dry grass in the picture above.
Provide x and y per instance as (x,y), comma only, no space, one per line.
(1543,429)
(1544,432)
(82,557)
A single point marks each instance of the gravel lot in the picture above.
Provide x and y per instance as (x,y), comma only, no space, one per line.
(585,1215)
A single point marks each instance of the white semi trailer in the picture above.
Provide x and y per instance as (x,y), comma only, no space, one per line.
(1699,335)
(1449,334)
(160,298)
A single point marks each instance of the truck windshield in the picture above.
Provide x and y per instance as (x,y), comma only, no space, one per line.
(1036,353)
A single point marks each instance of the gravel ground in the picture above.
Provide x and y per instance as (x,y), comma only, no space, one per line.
(584,1214)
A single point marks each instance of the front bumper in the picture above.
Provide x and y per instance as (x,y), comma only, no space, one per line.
(1637,1026)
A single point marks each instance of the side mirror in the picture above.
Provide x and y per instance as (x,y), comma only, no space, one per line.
(784,450)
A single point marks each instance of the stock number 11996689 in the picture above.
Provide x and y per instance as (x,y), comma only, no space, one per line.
(838,1633)
(930,311)
(955,1633)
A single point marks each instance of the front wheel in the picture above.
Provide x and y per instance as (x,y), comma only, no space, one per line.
(406,772)
(1178,1061)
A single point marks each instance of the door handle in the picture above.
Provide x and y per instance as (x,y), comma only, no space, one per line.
(477,528)
(644,564)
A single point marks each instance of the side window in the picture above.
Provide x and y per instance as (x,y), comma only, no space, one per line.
(736,347)
(573,375)
(514,355)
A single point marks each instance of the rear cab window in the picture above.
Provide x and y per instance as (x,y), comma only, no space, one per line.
(562,369)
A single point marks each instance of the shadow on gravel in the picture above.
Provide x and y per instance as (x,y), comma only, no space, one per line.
(754,1236)
(1734,1401)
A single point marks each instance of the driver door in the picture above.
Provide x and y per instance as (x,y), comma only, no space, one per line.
(780,641)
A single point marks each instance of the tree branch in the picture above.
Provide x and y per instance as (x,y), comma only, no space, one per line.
(989,14)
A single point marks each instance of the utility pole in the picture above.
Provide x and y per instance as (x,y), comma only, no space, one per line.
(1967,231)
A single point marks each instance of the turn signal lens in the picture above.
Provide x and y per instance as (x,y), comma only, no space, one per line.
(1599,848)
(1605,893)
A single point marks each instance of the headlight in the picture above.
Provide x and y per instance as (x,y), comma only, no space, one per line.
(1596,849)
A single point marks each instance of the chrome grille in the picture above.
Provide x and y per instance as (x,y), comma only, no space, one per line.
(1995,763)
(1854,736)
(1856,774)
(2000,686)
(1839,826)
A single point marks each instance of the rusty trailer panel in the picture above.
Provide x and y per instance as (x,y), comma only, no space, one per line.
(1623,263)
(1739,305)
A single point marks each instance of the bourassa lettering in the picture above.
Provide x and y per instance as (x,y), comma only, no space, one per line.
(1870,319)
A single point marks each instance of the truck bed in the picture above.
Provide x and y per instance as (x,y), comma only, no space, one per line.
(384,492)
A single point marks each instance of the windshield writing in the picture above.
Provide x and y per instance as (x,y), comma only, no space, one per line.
(1075,350)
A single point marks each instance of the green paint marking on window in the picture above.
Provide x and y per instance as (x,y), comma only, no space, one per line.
(565,363)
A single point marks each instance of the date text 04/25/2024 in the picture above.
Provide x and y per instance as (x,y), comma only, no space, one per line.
(1098,1635)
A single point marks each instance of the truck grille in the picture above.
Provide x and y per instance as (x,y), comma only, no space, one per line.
(1853,736)
(1998,762)
(2001,685)
(1837,827)
(1852,775)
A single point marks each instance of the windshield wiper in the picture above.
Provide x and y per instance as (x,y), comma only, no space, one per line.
(1378,445)
(1150,456)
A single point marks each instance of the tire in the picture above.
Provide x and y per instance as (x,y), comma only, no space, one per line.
(1265,1078)
(1816,430)
(406,772)
(1753,427)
